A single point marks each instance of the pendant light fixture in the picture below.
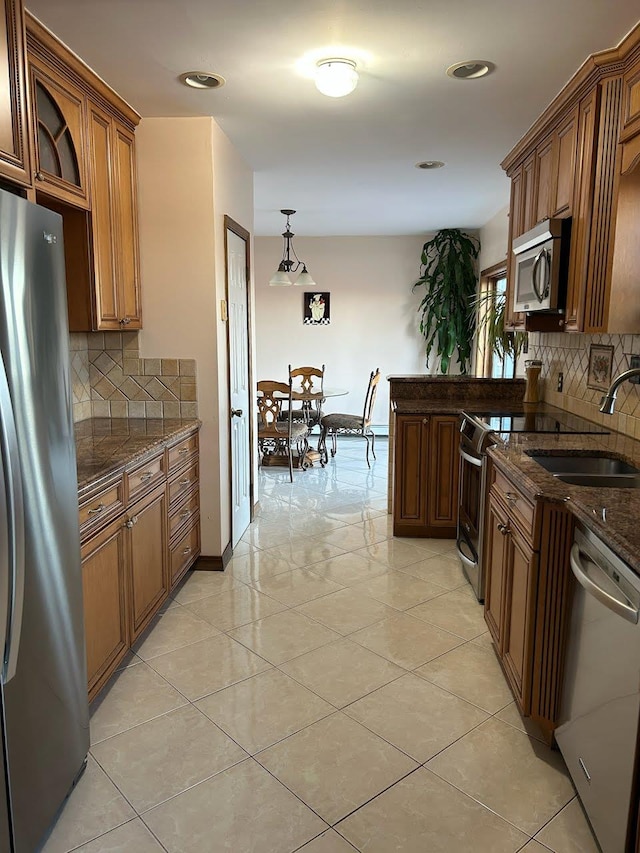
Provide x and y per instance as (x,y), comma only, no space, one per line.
(282,277)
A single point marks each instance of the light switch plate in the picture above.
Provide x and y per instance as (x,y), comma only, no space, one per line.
(634,361)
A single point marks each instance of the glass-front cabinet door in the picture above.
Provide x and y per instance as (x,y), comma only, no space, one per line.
(60,137)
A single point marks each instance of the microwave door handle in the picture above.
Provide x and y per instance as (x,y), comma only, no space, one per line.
(621,608)
(534,274)
(547,273)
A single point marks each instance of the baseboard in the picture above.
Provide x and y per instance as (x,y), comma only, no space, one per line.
(205,563)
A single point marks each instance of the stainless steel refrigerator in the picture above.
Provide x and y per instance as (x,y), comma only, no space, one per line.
(45,715)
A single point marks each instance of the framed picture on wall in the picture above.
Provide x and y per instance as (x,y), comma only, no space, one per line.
(599,370)
(316,309)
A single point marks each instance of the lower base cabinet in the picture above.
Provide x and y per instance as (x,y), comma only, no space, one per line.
(130,564)
(425,492)
(148,576)
(526,562)
(105,603)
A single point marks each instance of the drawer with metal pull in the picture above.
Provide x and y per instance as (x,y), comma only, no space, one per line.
(184,512)
(520,508)
(180,484)
(100,506)
(145,477)
(184,551)
(180,453)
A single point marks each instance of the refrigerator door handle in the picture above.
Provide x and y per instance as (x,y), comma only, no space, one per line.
(15,524)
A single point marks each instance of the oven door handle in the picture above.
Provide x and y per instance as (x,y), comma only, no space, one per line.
(472,460)
(614,604)
(463,557)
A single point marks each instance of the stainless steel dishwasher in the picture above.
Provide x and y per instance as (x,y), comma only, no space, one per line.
(601,698)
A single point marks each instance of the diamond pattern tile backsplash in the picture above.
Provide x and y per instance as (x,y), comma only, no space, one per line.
(570,354)
(109,379)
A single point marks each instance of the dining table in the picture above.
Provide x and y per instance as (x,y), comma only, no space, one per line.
(316,398)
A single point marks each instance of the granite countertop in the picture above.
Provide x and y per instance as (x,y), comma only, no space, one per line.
(105,445)
(612,514)
(455,405)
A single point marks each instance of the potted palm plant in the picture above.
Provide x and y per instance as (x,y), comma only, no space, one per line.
(448,272)
(489,308)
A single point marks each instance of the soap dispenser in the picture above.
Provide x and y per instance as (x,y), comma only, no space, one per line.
(533,367)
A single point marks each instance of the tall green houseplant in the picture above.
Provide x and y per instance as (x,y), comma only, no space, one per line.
(448,272)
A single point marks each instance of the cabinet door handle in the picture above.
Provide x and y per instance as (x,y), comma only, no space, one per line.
(503,528)
(96,510)
(146,476)
(125,321)
(425,421)
(182,451)
(186,551)
(185,513)
(184,482)
(129,523)
(39,176)
(511,497)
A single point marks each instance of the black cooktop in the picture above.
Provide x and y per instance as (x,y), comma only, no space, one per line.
(545,422)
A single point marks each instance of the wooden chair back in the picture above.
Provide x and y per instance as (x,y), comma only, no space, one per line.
(308,377)
(370,398)
(274,405)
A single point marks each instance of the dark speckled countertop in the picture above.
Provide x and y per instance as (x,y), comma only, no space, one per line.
(613,514)
(104,445)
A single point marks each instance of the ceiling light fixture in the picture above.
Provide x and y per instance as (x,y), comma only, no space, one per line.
(336,77)
(430,164)
(470,69)
(282,277)
(202,80)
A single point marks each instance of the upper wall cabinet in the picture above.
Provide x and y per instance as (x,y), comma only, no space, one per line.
(85,171)
(15,159)
(571,164)
(60,147)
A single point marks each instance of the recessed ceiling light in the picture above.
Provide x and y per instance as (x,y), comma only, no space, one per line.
(430,164)
(336,77)
(471,69)
(202,80)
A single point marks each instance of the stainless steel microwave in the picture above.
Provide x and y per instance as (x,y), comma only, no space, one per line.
(541,262)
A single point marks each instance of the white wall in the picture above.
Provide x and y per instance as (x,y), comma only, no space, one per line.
(189,177)
(494,236)
(374,320)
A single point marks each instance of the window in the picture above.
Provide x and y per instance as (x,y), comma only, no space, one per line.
(495,361)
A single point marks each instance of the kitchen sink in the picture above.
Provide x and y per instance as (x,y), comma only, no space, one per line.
(602,481)
(597,471)
(599,465)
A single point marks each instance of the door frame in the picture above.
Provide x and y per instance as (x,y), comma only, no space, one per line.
(237,229)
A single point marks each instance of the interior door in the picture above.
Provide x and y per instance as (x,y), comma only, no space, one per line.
(239,379)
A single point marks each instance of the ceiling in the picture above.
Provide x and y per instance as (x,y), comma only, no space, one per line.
(347,164)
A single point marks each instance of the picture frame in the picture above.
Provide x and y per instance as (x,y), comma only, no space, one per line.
(600,365)
(316,310)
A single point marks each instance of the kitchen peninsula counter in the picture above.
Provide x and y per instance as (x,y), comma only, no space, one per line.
(106,445)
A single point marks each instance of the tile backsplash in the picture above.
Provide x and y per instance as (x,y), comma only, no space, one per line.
(570,354)
(109,379)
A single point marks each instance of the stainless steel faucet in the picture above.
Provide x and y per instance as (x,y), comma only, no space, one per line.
(608,402)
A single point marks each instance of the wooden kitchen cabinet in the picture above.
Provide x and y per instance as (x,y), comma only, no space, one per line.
(86,172)
(114,224)
(60,144)
(146,525)
(527,583)
(425,499)
(135,548)
(105,603)
(15,142)
(576,160)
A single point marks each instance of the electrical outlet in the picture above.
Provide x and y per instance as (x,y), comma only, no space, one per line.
(634,361)
(560,381)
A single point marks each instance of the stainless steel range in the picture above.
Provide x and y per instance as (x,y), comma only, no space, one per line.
(477,432)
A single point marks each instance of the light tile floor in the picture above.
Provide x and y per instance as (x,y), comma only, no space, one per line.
(334,690)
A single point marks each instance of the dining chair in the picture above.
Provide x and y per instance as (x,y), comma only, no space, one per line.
(310,380)
(341,424)
(278,433)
